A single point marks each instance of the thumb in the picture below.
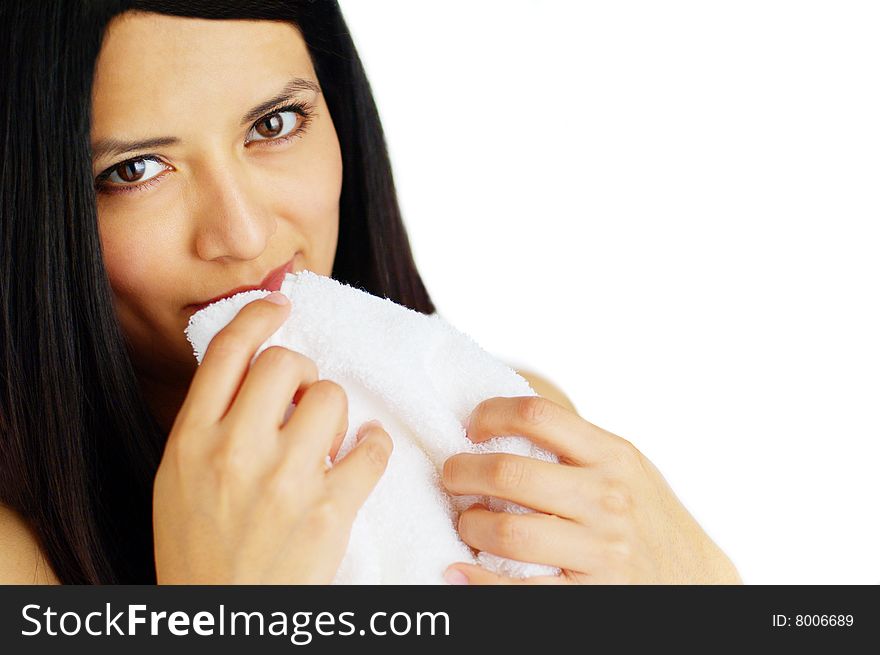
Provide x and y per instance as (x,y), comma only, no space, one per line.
(462,573)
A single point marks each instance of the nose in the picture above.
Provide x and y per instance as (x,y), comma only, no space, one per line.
(231,216)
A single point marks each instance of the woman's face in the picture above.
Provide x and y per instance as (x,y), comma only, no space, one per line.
(232,187)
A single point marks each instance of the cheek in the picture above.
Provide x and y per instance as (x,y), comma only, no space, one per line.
(307,181)
(306,191)
(146,290)
(138,259)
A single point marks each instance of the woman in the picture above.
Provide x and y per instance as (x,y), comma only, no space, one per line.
(155,159)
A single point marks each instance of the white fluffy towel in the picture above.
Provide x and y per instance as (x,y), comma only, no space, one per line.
(421,378)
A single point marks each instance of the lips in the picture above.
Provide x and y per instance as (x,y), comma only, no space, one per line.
(272,282)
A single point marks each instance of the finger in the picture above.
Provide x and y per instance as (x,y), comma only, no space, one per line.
(546,423)
(542,486)
(462,573)
(353,478)
(531,537)
(228,358)
(335,446)
(319,420)
(269,388)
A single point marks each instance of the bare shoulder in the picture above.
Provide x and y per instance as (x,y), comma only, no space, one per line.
(545,388)
(21,560)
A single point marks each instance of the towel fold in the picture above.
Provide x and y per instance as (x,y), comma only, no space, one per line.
(421,378)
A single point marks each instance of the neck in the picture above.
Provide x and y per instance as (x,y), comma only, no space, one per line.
(164,400)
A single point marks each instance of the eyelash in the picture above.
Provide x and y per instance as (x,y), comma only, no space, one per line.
(301,108)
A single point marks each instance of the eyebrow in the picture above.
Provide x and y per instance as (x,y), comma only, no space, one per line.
(112,147)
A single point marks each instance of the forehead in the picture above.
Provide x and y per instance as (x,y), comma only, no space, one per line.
(154,70)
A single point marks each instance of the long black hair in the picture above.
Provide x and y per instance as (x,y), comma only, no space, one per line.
(79,446)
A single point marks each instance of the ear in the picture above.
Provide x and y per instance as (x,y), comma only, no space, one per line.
(543,387)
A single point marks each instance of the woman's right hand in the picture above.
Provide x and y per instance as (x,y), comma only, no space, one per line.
(240,498)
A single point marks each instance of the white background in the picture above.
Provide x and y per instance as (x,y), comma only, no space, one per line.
(669,210)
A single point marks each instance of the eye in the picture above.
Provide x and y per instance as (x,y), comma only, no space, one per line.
(274,126)
(140,173)
(139,169)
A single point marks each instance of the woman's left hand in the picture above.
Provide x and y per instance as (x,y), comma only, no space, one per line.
(603,515)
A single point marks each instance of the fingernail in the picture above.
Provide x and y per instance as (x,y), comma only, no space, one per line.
(455,576)
(278,298)
(366,426)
